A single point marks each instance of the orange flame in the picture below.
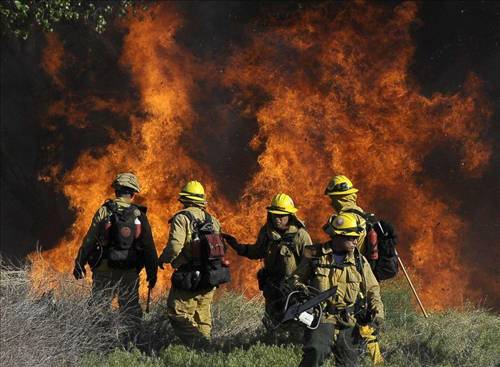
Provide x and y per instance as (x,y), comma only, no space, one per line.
(339,100)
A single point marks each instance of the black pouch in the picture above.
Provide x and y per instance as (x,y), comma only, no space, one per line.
(386,267)
(217,276)
(262,276)
(122,259)
(186,280)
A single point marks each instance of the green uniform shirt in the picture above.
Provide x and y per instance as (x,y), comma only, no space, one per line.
(346,278)
(281,252)
(178,250)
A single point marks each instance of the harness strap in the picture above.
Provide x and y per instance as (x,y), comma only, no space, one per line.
(288,240)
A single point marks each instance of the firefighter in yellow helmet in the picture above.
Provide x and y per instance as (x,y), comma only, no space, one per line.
(118,244)
(280,243)
(338,263)
(192,231)
(343,196)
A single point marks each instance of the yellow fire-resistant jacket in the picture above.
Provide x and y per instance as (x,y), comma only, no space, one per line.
(316,270)
(281,252)
(345,203)
(178,250)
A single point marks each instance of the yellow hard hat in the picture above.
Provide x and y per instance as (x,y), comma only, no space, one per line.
(340,185)
(282,204)
(346,224)
(193,191)
(126,179)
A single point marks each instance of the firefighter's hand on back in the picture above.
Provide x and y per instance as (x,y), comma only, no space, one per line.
(233,242)
(230,240)
(79,271)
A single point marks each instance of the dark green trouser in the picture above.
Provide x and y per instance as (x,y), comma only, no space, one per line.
(318,344)
(121,283)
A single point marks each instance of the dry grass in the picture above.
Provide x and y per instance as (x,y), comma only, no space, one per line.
(49,328)
(61,328)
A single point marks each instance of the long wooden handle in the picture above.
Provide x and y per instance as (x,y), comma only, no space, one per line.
(412,287)
(148,300)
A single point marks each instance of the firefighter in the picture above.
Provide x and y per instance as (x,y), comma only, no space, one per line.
(343,196)
(118,244)
(338,263)
(191,295)
(280,243)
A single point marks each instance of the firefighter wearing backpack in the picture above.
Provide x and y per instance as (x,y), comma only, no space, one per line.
(377,240)
(343,196)
(195,250)
(118,244)
(338,263)
(280,242)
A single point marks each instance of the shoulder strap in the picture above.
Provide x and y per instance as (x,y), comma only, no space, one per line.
(208,218)
(292,237)
(111,206)
(358,259)
(142,208)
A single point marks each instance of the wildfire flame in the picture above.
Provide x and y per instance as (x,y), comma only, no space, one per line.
(331,95)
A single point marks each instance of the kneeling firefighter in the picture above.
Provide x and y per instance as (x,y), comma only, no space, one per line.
(118,244)
(280,243)
(195,250)
(338,263)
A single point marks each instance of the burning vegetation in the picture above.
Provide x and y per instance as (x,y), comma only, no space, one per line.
(327,92)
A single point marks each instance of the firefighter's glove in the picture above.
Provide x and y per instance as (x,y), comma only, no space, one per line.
(233,242)
(230,240)
(79,271)
(301,287)
(162,261)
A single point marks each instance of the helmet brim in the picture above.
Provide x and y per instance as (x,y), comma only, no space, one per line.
(275,210)
(346,234)
(192,198)
(117,186)
(341,193)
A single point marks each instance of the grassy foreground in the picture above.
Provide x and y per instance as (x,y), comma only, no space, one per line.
(61,328)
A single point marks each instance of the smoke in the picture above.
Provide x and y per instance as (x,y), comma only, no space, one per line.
(90,98)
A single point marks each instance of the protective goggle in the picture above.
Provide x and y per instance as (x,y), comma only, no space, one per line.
(183,193)
(343,186)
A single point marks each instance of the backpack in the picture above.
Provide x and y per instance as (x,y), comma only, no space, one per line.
(122,229)
(208,268)
(380,244)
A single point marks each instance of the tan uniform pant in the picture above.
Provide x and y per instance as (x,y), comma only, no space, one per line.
(124,284)
(190,314)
